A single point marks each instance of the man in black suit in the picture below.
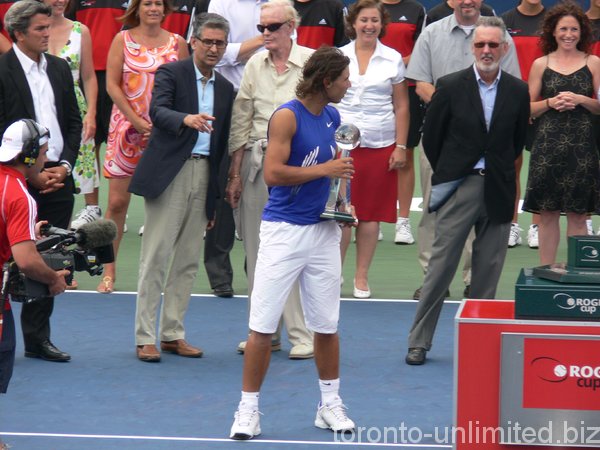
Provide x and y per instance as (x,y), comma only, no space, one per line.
(178,178)
(474,130)
(38,86)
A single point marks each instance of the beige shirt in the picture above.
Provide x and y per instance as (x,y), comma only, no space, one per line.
(263,90)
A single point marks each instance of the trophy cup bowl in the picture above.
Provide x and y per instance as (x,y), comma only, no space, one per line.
(347,138)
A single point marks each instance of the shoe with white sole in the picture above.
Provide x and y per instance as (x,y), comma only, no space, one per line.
(514,237)
(403,233)
(89,214)
(302,351)
(246,424)
(532,236)
(333,417)
(380,235)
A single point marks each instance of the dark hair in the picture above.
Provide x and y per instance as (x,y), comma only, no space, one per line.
(355,10)
(131,18)
(326,63)
(548,42)
(18,17)
(210,20)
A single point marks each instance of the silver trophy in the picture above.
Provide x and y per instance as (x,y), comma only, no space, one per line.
(347,138)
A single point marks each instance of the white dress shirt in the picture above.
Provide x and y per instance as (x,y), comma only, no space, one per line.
(43,100)
(368,102)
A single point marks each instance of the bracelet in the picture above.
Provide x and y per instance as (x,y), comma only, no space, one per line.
(232,177)
(401,146)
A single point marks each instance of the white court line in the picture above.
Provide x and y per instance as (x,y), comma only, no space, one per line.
(198,439)
(245,297)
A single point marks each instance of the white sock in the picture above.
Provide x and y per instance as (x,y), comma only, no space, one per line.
(330,391)
(400,220)
(249,401)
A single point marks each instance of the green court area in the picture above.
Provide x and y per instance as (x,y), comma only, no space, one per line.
(395,272)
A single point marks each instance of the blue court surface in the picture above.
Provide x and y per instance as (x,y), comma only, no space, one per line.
(106,399)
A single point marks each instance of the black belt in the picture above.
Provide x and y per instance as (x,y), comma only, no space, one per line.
(198,156)
(480,172)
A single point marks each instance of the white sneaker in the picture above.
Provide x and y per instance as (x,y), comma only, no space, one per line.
(590,227)
(333,417)
(125,229)
(88,214)
(532,236)
(514,238)
(379,236)
(246,425)
(404,233)
(141,231)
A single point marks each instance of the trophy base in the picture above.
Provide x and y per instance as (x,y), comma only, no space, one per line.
(338,216)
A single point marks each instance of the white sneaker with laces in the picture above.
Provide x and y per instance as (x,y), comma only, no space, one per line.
(246,424)
(404,233)
(88,214)
(590,227)
(514,238)
(333,417)
(532,236)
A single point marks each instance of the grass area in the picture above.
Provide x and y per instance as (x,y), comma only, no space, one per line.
(395,272)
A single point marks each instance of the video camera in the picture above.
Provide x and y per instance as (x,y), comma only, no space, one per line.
(84,249)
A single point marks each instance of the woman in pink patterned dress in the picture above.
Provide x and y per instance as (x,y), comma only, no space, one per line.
(133,59)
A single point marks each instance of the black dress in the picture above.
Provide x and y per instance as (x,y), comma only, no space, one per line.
(564,171)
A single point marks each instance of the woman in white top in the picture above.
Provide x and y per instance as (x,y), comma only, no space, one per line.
(377,103)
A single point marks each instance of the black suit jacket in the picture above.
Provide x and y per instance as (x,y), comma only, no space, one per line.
(455,136)
(16,101)
(175,95)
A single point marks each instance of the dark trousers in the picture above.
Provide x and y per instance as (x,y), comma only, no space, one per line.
(7,347)
(56,208)
(219,240)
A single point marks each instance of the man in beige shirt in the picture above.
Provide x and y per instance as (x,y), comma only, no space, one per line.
(269,80)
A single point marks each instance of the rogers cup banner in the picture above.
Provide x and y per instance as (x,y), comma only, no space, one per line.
(561,374)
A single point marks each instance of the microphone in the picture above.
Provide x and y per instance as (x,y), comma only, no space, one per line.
(99,233)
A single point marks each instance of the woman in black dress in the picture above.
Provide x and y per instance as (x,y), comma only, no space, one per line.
(563,170)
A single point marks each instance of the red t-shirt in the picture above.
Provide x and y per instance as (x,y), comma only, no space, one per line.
(18,213)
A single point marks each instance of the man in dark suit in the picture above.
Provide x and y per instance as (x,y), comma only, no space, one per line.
(38,86)
(474,130)
(178,178)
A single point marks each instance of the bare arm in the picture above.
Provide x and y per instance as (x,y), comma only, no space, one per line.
(276,170)
(402,118)
(90,84)
(249,47)
(233,191)
(114,74)
(425,90)
(30,262)
(182,48)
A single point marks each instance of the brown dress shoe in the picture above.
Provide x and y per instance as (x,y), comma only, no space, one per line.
(181,348)
(147,353)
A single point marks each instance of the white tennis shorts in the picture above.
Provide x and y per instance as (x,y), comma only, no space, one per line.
(307,253)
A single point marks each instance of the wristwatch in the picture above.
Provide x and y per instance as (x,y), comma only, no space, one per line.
(67,166)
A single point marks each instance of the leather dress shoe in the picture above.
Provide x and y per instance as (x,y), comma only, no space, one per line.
(417,294)
(224,291)
(147,353)
(48,352)
(302,351)
(182,348)
(467,291)
(416,356)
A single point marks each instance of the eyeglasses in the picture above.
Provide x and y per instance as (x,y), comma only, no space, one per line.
(483,44)
(273,27)
(208,43)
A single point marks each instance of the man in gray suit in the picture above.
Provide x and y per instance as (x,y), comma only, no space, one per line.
(178,178)
(474,130)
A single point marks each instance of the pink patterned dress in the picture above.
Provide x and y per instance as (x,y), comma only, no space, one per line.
(125,145)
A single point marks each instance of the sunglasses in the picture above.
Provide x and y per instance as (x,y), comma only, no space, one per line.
(271,27)
(483,44)
(208,43)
